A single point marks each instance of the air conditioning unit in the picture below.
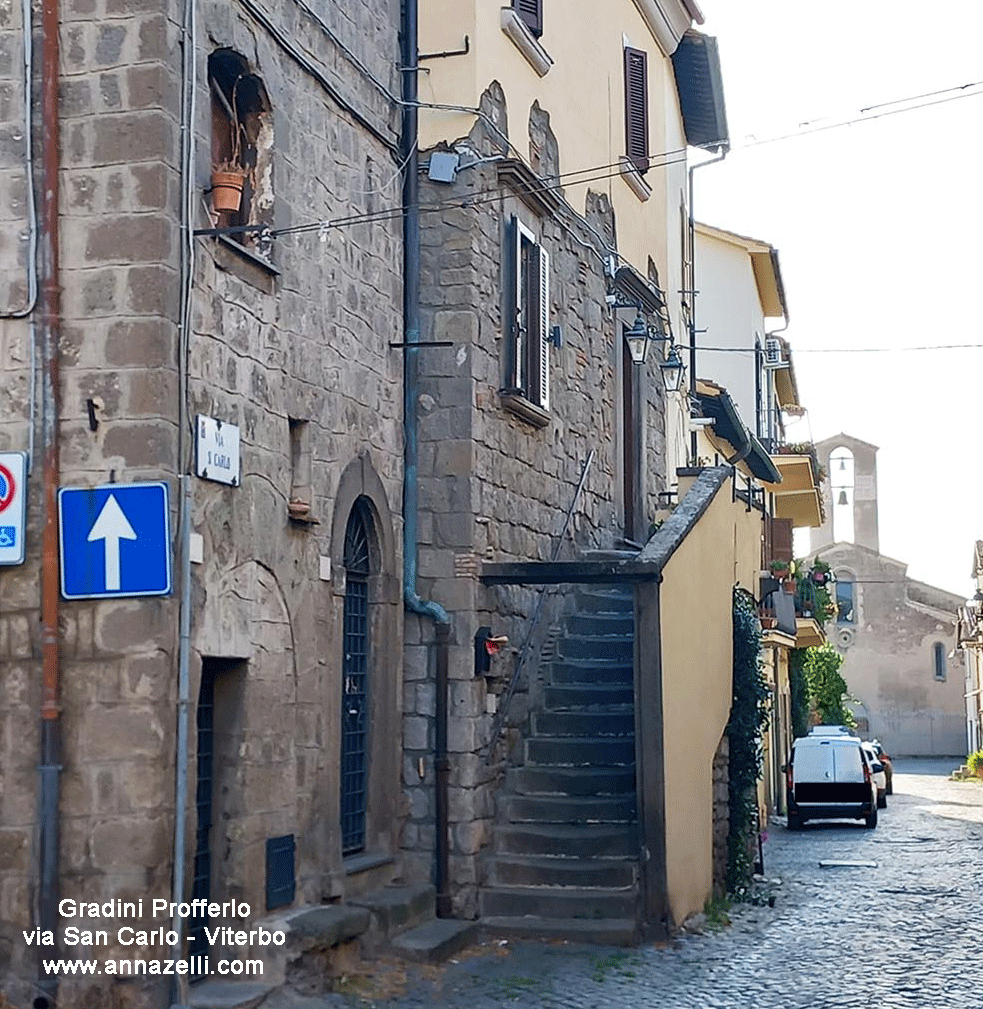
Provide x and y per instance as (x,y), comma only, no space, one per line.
(773,354)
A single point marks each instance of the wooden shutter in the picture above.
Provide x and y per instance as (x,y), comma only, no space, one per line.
(781,540)
(531,14)
(514,333)
(540,349)
(637,108)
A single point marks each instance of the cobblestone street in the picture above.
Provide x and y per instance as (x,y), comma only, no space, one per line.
(898,935)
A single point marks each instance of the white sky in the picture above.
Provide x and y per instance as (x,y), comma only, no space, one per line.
(877,227)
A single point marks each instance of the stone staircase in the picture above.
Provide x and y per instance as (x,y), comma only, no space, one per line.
(565,850)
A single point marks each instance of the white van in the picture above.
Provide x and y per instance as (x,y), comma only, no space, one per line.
(828,778)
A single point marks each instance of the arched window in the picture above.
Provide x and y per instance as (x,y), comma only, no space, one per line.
(242,145)
(354,676)
(939,662)
(845,600)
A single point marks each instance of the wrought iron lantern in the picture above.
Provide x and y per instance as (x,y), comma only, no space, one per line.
(672,370)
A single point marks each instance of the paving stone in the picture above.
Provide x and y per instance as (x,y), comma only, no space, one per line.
(891,937)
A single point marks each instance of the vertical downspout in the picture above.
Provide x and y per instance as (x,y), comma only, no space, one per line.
(49,333)
(693,445)
(188,93)
(411,450)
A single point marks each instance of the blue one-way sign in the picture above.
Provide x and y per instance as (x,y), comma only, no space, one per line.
(115,540)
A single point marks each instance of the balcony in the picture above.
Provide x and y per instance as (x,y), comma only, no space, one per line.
(798,497)
(813,607)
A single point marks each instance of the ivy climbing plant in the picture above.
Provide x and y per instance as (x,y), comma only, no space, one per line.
(748,721)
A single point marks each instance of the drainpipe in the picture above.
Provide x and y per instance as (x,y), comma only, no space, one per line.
(49,332)
(694,445)
(411,451)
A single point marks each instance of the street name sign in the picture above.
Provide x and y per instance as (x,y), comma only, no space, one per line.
(217,450)
(13,506)
(115,540)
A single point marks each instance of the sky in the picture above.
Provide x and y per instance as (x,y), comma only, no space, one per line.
(878,227)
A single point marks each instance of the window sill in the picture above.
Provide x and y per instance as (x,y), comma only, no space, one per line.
(299,513)
(364,861)
(635,182)
(516,403)
(245,264)
(524,40)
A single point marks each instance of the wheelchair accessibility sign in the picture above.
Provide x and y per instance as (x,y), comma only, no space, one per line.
(13,506)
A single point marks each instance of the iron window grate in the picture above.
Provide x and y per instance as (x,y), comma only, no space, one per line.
(281,879)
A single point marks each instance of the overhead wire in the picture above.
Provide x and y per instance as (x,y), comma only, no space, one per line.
(478,198)
(862,119)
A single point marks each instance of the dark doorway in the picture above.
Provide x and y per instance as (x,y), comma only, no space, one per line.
(216,718)
(201,888)
(629,441)
(354,679)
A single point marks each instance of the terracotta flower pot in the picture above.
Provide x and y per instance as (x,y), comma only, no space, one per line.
(227,190)
(789,586)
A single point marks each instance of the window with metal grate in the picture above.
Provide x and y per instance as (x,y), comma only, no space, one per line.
(281,881)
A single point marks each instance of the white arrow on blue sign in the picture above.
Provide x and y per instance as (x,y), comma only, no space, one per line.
(115,540)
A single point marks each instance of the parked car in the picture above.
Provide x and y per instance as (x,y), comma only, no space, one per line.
(830,730)
(888,765)
(828,777)
(877,770)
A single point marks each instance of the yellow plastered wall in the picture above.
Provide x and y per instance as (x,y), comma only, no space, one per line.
(583,92)
(722,550)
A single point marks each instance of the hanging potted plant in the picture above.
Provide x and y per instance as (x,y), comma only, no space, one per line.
(820,573)
(228,177)
(779,569)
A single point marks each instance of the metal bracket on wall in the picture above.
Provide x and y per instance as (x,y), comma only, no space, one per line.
(423,343)
(446,52)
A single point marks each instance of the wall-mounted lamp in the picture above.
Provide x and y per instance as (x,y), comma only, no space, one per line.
(637,339)
(672,370)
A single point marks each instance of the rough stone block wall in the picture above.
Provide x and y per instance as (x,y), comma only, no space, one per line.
(308,339)
(492,485)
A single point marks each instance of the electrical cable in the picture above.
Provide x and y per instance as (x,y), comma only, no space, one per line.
(463,202)
(847,350)
(860,119)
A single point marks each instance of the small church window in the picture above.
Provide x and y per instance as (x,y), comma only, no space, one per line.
(845,601)
(938,653)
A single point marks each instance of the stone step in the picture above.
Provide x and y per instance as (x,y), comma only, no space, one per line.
(580,696)
(586,672)
(565,841)
(547,780)
(608,932)
(566,809)
(605,873)
(601,623)
(615,648)
(584,723)
(557,902)
(604,600)
(227,994)
(435,941)
(396,908)
(573,751)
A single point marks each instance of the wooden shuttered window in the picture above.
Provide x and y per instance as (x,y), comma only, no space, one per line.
(637,108)
(531,14)
(529,365)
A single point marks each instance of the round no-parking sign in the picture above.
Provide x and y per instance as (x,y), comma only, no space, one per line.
(13,506)
(8,488)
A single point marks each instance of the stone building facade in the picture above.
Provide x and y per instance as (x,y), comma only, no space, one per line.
(290,342)
(897,635)
(498,471)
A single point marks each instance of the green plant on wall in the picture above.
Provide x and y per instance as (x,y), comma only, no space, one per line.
(798,692)
(827,688)
(748,721)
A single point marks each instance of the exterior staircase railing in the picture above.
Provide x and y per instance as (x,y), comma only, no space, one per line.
(503,708)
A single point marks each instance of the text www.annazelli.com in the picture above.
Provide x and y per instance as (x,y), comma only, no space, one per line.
(195,966)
